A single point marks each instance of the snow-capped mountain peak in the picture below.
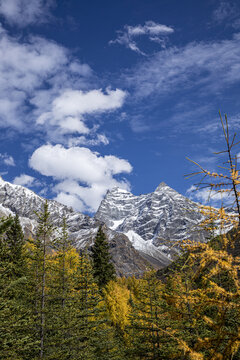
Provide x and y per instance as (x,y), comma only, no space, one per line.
(82,229)
(160,218)
(139,228)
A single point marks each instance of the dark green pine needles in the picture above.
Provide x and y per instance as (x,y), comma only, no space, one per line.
(103,268)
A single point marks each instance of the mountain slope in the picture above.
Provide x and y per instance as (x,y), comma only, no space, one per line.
(16,199)
(153,222)
(141,230)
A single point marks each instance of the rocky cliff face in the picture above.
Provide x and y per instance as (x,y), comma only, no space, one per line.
(15,199)
(141,229)
(153,222)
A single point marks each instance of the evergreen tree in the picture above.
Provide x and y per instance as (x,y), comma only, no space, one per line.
(87,334)
(15,243)
(63,266)
(42,247)
(150,328)
(103,268)
(16,335)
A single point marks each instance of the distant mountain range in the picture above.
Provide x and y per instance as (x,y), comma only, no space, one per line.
(142,230)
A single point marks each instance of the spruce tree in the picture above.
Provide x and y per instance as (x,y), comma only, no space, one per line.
(93,336)
(149,328)
(103,268)
(16,335)
(15,243)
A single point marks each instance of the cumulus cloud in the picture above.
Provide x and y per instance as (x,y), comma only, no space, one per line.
(83,176)
(70,200)
(68,110)
(25,12)
(34,71)
(154,31)
(44,89)
(206,66)
(7,159)
(24,180)
(58,87)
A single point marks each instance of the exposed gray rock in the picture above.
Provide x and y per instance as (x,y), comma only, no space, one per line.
(155,222)
(141,230)
(15,199)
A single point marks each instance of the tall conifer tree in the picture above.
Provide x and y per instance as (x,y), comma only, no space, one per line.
(103,268)
(42,245)
(15,243)
(16,335)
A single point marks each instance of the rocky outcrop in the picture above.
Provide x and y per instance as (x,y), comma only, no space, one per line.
(15,199)
(154,222)
(142,230)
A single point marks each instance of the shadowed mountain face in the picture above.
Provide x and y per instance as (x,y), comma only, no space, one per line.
(140,229)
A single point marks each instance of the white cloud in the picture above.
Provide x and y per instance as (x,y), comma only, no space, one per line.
(100,139)
(207,66)
(68,109)
(71,201)
(7,159)
(61,91)
(154,31)
(25,12)
(24,180)
(85,198)
(208,196)
(71,124)
(37,71)
(78,102)
(62,94)
(83,174)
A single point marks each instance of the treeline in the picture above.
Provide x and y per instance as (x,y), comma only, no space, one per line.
(56,303)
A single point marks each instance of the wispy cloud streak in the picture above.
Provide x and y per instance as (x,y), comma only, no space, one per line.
(155,32)
(207,66)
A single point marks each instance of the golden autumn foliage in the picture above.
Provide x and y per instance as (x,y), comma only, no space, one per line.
(116,297)
(193,313)
(71,260)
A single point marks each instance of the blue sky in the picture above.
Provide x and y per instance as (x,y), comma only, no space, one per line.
(100,94)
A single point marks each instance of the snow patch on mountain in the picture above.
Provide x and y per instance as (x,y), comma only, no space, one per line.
(146,247)
(82,229)
(153,222)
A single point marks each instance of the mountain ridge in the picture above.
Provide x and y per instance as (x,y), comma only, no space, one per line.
(139,228)
(157,217)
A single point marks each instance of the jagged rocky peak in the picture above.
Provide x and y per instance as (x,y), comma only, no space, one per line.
(140,228)
(25,203)
(161,186)
(164,188)
(118,193)
(117,203)
(152,221)
(16,199)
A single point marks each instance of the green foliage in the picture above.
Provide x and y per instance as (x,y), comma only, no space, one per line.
(15,243)
(193,315)
(103,268)
(16,336)
(40,270)
(57,304)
